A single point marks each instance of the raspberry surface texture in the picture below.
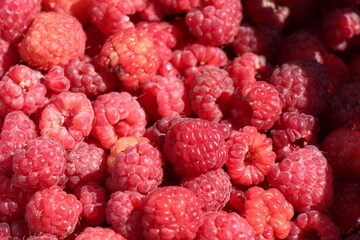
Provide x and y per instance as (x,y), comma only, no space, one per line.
(99,233)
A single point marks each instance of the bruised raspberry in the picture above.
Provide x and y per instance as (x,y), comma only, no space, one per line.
(94,233)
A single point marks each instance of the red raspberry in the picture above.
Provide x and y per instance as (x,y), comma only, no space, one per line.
(302,85)
(210,86)
(215,22)
(93,199)
(250,156)
(130,53)
(122,213)
(53,211)
(40,164)
(223,225)
(15,18)
(56,81)
(20,89)
(305,179)
(313,224)
(51,29)
(117,115)
(9,56)
(5,231)
(86,162)
(95,233)
(171,213)
(195,146)
(138,168)
(45,236)
(68,118)
(257,104)
(213,188)
(179,6)
(339,73)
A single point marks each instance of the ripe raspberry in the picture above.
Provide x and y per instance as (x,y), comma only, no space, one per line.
(132,55)
(171,213)
(215,22)
(257,104)
(210,86)
(302,85)
(5,231)
(313,224)
(117,115)
(223,225)
(122,213)
(9,56)
(15,18)
(45,236)
(179,6)
(68,118)
(99,233)
(56,81)
(268,212)
(305,179)
(339,73)
(20,89)
(195,146)
(53,211)
(250,156)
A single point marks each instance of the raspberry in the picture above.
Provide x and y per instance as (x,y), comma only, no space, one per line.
(195,146)
(223,225)
(117,115)
(261,39)
(171,213)
(8,56)
(99,233)
(257,104)
(56,81)
(302,85)
(93,199)
(51,29)
(138,168)
(132,55)
(178,6)
(15,18)
(43,237)
(339,73)
(153,11)
(68,118)
(86,162)
(5,231)
(210,86)
(237,200)
(122,213)
(305,179)
(215,22)
(313,224)
(20,89)
(250,156)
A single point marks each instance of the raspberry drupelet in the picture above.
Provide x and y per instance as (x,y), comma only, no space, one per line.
(99,233)
(55,80)
(5,231)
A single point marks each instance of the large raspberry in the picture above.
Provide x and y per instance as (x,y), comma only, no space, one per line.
(53,39)
(305,178)
(195,146)
(97,233)
(9,56)
(171,213)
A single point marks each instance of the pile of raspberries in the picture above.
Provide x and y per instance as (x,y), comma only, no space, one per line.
(180,119)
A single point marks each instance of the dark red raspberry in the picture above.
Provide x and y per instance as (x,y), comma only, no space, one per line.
(52,210)
(195,146)
(9,56)
(45,236)
(261,39)
(268,212)
(315,225)
(138,168)
(305,178)
(124,215)
(5,231)
(68,118)
(21,89)
(222,225)
(86,162)
(95,233)
(339,72)
(302,85)
(171,213)
(213,188)
(51,29)
(250,156)
(215,22)
(56,81)
(210,86)
(117,115)
(257,104)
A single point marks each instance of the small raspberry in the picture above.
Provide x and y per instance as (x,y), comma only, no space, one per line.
(9,56)
(122,213)
(195,146)
(5,231)
(305,179)
(97,233)
(171,213)
(313,224)
(45,236)
(68,118)
(250,156)
(117,115)
(56,81)
(268,212)
(53,39)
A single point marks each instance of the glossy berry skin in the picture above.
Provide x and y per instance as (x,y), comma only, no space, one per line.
(99,233)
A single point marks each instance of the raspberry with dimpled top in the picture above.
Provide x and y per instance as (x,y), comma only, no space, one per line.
(99,233)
